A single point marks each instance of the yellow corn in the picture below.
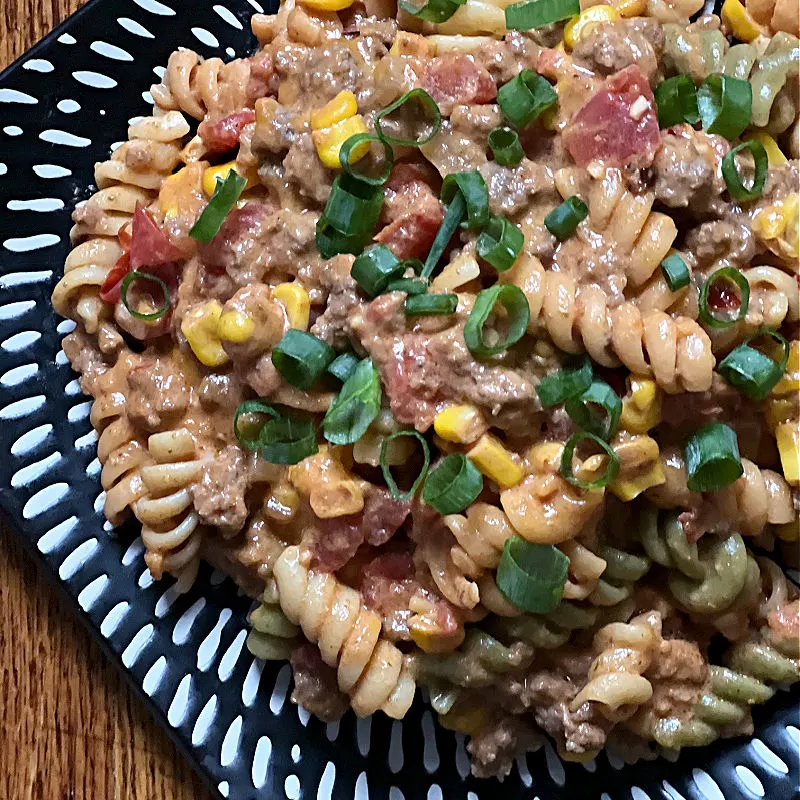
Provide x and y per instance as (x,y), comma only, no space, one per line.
(461,424)
(491,457)
(739,20)
(469,721)
(787,435)
(631,8)
(427,633)
(221,171)
(282,503)
(790,382)
(342,106)
(775,155)
(580,26)
(199,327)
(779,409)
(326,5)
(329,141)
(176,187)
(641,407)
(236,327)
(294,298)
(629,488)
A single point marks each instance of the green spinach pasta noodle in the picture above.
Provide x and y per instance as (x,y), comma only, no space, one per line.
(467,346)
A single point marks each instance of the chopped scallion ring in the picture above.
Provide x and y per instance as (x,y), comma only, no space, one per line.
(452,218)
(752,372)
(431,304)
(559,386)
(350,216)
(527,95)
(433,10)
(411,286)
(532,576)
(500,243)
(580,409)
(676,101)
(375,269)
(125,287)
(612,469)
(342,366)
(505,146)
(715,298)
(725,105)
(394,490)
(286,440)
(351,144)
(565,218)
(452,484)
(537,13)
(712,458)
(515,304)
(222,201)
(476,196)
(675,272)
(429,109)
(730,171)
(301,358)
(356,405)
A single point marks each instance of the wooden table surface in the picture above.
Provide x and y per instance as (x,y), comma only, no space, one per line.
(70,729)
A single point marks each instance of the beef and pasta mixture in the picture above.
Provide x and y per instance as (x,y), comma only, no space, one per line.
(464,336)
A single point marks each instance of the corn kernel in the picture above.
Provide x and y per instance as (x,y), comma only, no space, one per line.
(641,407)
(578,27)
(294,298)
(282,503)
(787,435)
(429,635)
(491,457)
(775,155)
(177,188)
(629,488)
(469,721)
(779,410)
(631,8)
(329,141)
(326,5)
(739,20)
(790,382)
(461,424)
(221,171)
(199,327)
(343,106)
(235,326)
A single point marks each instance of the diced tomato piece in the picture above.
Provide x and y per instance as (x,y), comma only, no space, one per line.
(109,292)
(264,80)
(412,235)
(149,244)
(412,175)
(617,126)
(223,134)
(723,297)
(459,80)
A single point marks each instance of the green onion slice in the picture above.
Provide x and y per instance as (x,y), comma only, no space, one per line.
(375,269)
(733,179)
(725,105)
(537,13)
(712,458)
(431,304)
(452,484)
(505,146)
(559,386)
(411,286)
(350,216)
(222,201)
(612,469)
(287,440)
(342,366)
(301,358)
(125,286)
(387,472)
(715,298)
(427,108)
(512,299)
(351,169)
(433,10)
(581,409)
(249,408)
(676,101)
(527,95)
(532,576)
(675,272)
(452,217)
(752,372)
(476,196)
(500,243)
(356,405)
(563,219)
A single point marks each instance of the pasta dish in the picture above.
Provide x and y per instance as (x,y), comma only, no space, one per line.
(464,337)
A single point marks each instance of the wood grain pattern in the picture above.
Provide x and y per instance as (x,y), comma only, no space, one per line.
(70,729)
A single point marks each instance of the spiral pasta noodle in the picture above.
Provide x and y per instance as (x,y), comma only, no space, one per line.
(370,669)
(272,637)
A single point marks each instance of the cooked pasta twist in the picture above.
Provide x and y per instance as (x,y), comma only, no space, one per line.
(272,637)
(617,581)
(624,653)
(170,525)
(369,668)
(675,352)
(199,87)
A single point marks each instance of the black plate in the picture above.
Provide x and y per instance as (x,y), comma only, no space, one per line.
(185,655)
